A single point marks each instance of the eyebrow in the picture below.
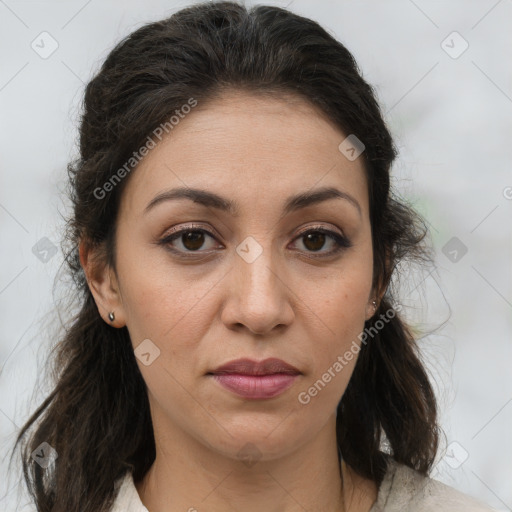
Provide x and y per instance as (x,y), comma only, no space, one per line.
(212,200)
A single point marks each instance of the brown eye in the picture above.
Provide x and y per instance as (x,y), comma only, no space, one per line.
(192,240)
(189,240)
(314,241)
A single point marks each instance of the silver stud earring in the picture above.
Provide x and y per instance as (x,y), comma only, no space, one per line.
(111,316)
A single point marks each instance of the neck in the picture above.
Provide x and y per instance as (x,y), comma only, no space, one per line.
(187,476)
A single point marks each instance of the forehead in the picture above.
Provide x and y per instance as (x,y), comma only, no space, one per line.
(254,145)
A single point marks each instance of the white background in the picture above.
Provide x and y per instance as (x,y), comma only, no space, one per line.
(451,118)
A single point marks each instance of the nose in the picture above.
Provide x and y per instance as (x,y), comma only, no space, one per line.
(259,297)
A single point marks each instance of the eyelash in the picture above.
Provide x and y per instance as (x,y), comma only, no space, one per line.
(340,241)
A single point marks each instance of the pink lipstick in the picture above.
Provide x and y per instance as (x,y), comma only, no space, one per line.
(256,380)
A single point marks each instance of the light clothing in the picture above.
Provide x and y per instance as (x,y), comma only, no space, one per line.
(402,490)
(406,490)
(128,499)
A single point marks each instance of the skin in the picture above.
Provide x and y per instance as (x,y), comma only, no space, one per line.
(213,306)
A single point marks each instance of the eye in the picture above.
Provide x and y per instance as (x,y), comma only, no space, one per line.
(190,239)
(314,239)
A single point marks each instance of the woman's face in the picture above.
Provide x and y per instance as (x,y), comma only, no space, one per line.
(246,282)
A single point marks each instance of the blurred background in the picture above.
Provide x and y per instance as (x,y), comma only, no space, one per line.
(442,73)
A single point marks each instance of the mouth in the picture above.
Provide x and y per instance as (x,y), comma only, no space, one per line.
(256,379)
(245,366)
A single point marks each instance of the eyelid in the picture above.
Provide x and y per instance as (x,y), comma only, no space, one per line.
(200,227)
(339,238)
(320,227)
(190,227)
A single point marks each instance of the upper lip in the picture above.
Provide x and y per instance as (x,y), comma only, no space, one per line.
(250,367)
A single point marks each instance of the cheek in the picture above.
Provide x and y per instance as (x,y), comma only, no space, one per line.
(160,301)
(340,298)
(334,357)
(339,303)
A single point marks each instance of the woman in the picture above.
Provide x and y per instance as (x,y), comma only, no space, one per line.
(233,239)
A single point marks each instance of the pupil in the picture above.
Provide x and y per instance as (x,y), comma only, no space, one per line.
(193,240)
(314,237)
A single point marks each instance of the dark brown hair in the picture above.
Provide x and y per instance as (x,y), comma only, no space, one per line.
(97,417)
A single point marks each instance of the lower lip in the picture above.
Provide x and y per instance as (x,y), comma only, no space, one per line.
(256,386)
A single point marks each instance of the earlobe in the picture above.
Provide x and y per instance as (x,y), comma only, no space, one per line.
(371,308)
(103,285)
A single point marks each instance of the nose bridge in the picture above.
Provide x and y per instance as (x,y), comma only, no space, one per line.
(254,266)
(260,299)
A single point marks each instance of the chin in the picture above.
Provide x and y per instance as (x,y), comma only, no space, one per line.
(251,444)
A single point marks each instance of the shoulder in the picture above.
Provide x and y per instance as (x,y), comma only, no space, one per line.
(127,499)
(403,489)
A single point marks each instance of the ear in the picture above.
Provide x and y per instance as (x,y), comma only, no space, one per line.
(371,306)
(103,283)
(373,303)
(378,290)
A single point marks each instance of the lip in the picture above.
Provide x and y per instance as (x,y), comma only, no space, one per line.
(246,366)
(256,379)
